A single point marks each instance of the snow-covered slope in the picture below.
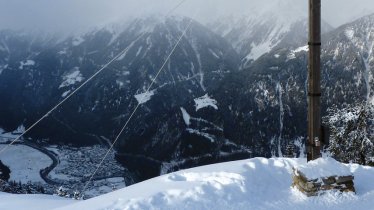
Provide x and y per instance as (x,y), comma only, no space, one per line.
(261,29)
(352,133)
(31,202)
(268,99)
(280,24)
(257,183)
(355,42)
(199,63)
(201,109)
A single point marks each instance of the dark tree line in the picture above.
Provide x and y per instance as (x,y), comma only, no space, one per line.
(4,172)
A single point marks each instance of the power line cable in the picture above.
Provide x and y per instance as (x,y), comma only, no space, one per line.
(175,8)
(82,85)
(138,105)
(69,96)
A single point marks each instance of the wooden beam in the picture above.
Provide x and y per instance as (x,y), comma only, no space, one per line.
(314,83)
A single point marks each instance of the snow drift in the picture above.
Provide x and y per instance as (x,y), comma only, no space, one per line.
(257,183)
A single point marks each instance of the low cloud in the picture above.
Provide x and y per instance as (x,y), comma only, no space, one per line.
(72,15)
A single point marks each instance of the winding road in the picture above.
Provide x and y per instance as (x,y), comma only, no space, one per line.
(55,161)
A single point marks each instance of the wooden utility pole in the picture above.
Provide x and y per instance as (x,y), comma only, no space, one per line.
(314,84)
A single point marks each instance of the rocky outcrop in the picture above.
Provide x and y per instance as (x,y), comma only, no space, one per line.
(332,177)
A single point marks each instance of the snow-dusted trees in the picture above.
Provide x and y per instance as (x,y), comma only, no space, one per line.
(62,192)
(19,188)
(352,136)
(4,172)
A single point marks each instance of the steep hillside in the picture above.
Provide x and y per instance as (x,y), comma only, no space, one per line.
(204,108)
(281,24)
(268,99)
(33,84)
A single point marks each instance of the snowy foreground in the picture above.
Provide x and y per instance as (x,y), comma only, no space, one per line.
(31,202)
(257,183)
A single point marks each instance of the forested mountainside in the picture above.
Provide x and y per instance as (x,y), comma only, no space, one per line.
(205,107)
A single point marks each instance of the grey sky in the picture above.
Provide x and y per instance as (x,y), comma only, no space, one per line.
(70,15)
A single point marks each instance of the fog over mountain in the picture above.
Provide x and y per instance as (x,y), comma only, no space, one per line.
(76,15)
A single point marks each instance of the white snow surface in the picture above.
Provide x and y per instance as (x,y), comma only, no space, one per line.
(349,33)
(260,49)
(292,54)
(300,49)
(186,116)
(65,93)
(70,79)
(24,163)
(143,98)
(3,67)
(257,183)
(200,133)
(276,19)
(31,202)
(77,40)
(323,167)
(205,101)
(26,63)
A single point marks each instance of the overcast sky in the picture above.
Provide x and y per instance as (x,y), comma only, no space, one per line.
(70,15)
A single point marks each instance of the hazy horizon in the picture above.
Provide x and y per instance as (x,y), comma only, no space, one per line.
(72,15)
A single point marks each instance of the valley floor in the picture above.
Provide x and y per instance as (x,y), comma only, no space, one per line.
(55,166)
(256,183)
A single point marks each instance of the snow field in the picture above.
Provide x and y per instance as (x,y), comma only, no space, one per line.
(24,163)
(70,79)
(257,183)
(205,101)
(143,98)
(31,202)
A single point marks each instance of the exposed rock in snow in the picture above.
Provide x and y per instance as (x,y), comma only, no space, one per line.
(316,177)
